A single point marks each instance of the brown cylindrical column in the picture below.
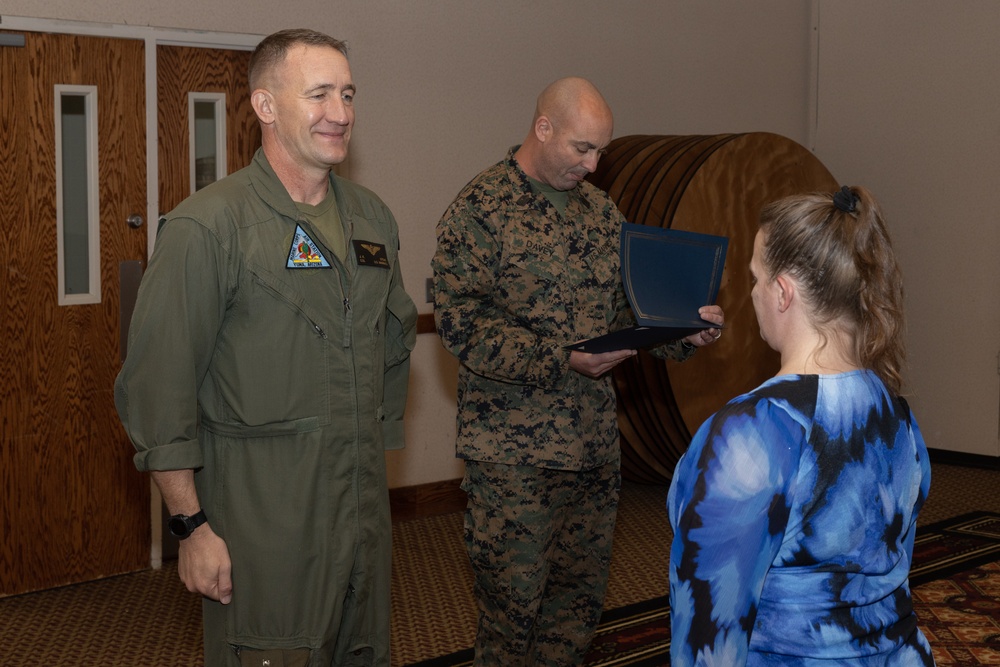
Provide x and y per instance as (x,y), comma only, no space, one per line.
(715,184)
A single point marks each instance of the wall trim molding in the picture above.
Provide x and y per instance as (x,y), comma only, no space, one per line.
(411,502)
(425,324)
(948,457)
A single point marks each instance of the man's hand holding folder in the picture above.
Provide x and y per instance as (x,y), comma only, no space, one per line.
(671,279)
(594,365)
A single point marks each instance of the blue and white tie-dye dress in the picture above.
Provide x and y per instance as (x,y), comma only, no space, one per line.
(794,512)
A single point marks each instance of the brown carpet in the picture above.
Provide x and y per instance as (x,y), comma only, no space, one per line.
(147,619)
(431,550)
(956,584)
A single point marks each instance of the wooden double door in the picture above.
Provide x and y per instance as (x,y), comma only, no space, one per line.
(72,506)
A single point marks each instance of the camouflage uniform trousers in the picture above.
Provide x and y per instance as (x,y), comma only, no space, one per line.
(539,541)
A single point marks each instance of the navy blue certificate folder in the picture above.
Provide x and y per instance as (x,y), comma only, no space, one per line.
(668,275)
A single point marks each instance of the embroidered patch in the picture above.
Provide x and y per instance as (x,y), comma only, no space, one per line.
(370,253)
(304,253)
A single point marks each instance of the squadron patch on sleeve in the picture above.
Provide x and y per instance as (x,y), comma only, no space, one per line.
(304,253)
(370,253)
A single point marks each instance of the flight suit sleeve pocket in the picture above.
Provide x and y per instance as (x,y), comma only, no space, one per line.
(400,327)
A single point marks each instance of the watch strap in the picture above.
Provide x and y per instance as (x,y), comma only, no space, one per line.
(181,525)
(197,519)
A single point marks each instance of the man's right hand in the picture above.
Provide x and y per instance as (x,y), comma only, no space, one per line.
(596,365)
(204,565)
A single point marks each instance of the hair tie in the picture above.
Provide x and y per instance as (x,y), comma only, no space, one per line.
(845,200)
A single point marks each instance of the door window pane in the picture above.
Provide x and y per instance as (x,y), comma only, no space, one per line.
(207,131)
(77,221)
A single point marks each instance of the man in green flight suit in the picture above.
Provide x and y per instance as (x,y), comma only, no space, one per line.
(527,262)
(267,373)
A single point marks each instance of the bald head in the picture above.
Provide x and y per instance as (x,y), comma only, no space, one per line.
(571,127)
(567,98)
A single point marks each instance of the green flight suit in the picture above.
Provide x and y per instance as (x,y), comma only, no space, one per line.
(281,387)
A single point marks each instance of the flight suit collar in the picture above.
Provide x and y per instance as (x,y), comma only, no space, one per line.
(271,190)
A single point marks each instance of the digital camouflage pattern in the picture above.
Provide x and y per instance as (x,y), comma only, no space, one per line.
(537,610)
(515,282)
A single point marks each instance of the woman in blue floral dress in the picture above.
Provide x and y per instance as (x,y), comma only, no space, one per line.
(795,507)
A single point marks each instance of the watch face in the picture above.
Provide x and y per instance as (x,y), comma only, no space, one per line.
(178,527)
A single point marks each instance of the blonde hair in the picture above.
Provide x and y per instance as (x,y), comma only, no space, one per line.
(838,249)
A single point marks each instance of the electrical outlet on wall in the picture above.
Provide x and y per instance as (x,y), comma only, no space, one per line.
(429,287)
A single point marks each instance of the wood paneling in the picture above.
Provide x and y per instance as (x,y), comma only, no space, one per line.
(181,70)
(713,184)
(72,505)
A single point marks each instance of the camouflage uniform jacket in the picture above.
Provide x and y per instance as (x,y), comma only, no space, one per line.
(515,282)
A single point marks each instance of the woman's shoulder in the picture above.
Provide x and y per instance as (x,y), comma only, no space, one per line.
(796,392)
(803,399)
(784,404)
(765,429)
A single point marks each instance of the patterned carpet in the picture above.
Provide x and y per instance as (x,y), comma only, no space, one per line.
(431,550)
(147,619)
(960,616)
(959,606)
(956,580)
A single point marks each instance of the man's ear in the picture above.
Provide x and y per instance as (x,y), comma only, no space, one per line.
(543,129)
(263,105)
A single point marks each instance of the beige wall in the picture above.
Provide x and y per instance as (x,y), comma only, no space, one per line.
(445,86)
(909,101)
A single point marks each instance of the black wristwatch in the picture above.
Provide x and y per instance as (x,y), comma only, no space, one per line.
(181,525)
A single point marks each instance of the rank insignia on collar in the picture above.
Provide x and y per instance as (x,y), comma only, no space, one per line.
(370,253)
(304,253)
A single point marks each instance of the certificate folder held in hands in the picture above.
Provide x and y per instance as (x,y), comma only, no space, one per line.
(668,275)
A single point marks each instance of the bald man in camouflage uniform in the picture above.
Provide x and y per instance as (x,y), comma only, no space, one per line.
(528,262)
